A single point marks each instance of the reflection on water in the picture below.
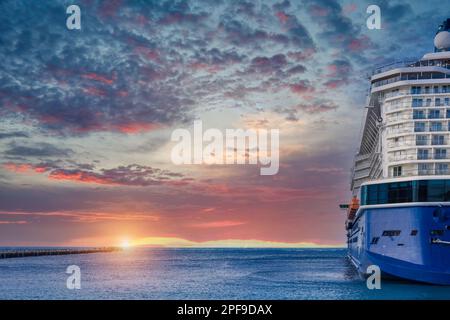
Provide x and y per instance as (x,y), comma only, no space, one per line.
(350,272)
(202,274)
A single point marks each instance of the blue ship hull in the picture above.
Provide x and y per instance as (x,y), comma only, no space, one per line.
(410,242)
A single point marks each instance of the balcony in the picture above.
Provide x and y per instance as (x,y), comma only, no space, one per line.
(422,172)
(407,105)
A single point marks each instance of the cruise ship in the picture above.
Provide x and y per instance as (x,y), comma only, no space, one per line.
(399,216)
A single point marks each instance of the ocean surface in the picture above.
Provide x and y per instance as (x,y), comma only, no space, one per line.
(201,274)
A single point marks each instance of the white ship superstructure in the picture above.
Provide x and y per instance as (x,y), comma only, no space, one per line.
(407,125)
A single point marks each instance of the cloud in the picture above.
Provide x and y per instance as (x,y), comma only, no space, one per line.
(13,222)
(218,224)
(38,150)
(339,31)
(77,216)
(316,106)
(130,175)
(301,87)
(338,73)
(16,134)
(394,11)
(267,64)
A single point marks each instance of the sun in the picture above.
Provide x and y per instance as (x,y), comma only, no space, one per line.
(125,244)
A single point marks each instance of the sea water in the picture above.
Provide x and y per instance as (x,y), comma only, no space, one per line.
(201,274)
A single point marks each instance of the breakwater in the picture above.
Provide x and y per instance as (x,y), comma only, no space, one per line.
(53,252)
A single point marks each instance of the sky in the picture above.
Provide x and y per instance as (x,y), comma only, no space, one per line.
(86,116)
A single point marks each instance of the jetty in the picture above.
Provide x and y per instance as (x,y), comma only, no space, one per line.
(21,253)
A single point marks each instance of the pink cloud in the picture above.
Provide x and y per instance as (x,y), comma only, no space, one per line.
(301,87)
(218,224)
(283,17)
(319,11)
(14,222)
(94,91)
(147,53)
(98,77)
(359,44)
(349,8)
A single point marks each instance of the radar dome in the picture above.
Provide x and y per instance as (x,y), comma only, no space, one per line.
(442,40)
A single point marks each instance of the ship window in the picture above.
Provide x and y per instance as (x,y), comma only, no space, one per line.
(436,190)
(391,233)
(437,102)
(417,102)
(375,240)
(419,127)
(437,140)
(423,169)
(400,192)
(433,114)
(397,171)
(422,154)
(440,153)
(421,140)
(414,232)
(436,89)
(409,191)
(414,90)
(441,168)
(436,126)
(418,114)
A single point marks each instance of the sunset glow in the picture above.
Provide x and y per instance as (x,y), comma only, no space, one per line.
(87,117)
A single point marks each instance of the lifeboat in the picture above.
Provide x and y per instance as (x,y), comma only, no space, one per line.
(352,208)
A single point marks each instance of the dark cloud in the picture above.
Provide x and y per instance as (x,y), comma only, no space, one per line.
(267,64)
(339,31)
(338,73)
(315,107)
(37,150)
(130,175)
(16,134)
(394,11)
(77,81)
(283,5)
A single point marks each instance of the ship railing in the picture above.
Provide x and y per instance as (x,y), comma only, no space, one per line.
(407,64)
(410,105)
(399,144)
(394,65)
(402,158)
(424,172)
(417,116)
(395,131)
(419,143)
(425,93)
(418,157)
(396,94)
(410,129)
